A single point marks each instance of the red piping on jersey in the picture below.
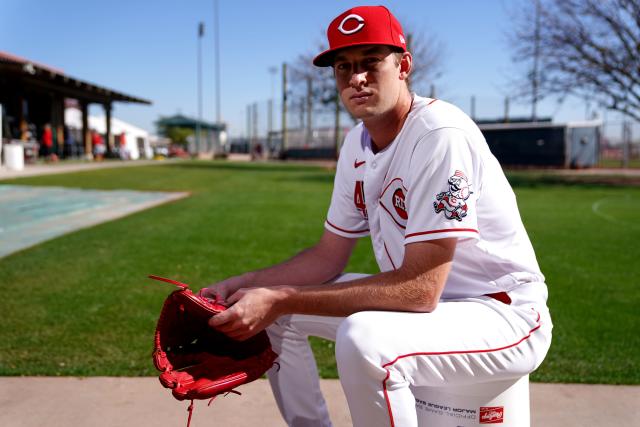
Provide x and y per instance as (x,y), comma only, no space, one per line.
(444,230)
(432,102)
(388,255)
(347,231)
(391,182)
(391,215)
(445,353)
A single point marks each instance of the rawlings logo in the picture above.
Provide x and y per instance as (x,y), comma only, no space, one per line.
(453,201)
(491,415)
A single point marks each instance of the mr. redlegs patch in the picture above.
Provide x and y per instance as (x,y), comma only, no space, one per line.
(491,414)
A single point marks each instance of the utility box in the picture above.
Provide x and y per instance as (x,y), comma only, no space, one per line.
(13,156)
(544,144)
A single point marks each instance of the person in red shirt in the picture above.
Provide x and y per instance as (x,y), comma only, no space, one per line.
(124,154)
(98,145)
(47,140)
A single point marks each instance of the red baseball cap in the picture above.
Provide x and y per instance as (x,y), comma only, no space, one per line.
(360,26)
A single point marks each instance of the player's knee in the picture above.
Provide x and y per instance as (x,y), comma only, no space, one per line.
(278,327)
(356,348)
(283,329)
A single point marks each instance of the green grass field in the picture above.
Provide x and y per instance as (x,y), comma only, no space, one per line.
(615,163)
(81,305)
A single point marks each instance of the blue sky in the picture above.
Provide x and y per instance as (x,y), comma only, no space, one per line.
(149,49)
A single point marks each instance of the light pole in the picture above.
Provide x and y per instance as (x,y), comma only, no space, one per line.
(200,34)
(284,107)
(273,71)
(216,35)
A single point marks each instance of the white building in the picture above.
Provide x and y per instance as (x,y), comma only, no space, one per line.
(137,140)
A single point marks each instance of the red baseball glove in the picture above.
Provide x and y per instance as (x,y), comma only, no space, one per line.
(198,362)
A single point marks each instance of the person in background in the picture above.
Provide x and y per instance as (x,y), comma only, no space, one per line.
(98,146)
(47,142)
(69,143)
(124,153)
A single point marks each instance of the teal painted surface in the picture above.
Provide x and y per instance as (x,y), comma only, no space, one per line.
(30,215)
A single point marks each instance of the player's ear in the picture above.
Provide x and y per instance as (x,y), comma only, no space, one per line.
(406,62)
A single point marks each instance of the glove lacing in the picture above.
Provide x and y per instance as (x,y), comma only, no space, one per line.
(190,408)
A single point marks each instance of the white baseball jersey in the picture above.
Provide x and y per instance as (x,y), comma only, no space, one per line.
(437,179)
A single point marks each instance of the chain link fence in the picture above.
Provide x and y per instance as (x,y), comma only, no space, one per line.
(620,145)
(314,131)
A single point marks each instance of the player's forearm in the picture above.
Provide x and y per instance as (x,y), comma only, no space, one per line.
(310,267)
(315,265)
(399,290)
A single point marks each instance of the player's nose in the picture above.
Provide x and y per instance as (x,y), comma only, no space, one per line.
(358,79)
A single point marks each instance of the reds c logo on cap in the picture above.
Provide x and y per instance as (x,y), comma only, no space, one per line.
(359,26)
(346,19)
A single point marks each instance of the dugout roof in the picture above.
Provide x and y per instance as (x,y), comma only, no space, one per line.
(27,73)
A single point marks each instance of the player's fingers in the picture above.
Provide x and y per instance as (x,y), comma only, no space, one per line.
(220,319)
(245,335)
(235,331)
(228,329)
(235,297)
(240,334)
(234,334)
(207,293)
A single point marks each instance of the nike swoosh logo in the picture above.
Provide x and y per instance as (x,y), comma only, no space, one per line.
(357,164)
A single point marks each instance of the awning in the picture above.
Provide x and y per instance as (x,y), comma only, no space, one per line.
(31,73)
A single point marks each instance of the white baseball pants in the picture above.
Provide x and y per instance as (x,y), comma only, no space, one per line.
(381,354)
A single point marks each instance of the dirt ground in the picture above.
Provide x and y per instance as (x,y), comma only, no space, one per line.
(110,402)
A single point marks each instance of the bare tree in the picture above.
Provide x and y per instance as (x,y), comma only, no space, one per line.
(313,93)
(588,48)
(323,86)
(428,60)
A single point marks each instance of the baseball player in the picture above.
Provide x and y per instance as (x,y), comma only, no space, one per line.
(459,299)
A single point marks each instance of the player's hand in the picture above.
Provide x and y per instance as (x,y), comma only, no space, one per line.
(253,310)
(224,289)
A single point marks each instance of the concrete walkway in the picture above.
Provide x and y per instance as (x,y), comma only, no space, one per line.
(66,167)
(30,215)
(111,402)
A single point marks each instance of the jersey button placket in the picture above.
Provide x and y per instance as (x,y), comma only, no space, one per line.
(372,178)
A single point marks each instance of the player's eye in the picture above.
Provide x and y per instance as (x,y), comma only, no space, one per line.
(370,63)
